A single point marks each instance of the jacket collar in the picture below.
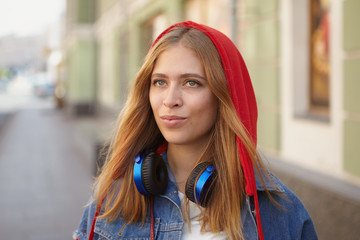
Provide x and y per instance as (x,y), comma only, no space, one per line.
(271,183)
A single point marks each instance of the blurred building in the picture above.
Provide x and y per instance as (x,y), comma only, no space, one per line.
(55,33)
(16,54)
(303,57)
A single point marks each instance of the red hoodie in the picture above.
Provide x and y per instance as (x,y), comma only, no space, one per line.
(242,95)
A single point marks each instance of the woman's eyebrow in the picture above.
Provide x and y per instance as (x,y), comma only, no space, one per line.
(189,75)
(158,75)
(184,75)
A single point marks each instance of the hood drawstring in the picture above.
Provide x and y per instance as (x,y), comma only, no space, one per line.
(92,230)
(152,228)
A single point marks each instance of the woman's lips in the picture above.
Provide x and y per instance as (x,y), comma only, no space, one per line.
(172,120)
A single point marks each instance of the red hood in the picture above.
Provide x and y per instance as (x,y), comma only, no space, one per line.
(240,89)
(242,95)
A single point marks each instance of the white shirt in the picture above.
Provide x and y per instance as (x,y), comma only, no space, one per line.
(195,234)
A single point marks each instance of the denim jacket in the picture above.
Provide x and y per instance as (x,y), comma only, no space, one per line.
(290,221)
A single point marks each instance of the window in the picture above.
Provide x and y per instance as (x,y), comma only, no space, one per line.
(319,57)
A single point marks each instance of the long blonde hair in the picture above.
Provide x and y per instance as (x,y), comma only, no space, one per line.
(137,130)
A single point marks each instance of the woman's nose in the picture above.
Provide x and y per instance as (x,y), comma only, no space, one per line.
(173,97)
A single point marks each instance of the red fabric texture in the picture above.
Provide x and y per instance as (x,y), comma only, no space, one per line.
(152,228)
(242,95)
(92,230)
(162,148)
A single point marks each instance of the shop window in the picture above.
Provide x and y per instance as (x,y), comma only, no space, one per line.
(319,58)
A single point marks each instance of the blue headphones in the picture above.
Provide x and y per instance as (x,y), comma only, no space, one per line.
(151,178)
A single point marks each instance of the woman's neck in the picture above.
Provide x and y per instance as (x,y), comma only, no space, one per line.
(182,160)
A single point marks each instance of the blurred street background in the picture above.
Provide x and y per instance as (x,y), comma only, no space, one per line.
(45,168)
(66,67)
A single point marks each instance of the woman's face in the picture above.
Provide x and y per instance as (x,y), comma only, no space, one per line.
(184,107)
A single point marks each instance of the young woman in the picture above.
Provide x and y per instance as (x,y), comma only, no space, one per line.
(183,163)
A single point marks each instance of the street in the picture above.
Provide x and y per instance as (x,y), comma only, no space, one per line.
(46,167)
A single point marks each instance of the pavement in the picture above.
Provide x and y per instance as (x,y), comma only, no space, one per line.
(46,170)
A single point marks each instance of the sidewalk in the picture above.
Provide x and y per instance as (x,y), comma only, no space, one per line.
(46,168)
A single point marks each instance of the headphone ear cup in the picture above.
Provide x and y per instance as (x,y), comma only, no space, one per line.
(154,174)
(191,189)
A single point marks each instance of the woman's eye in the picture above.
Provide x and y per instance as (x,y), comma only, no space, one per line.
(192,83)
(159,83)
